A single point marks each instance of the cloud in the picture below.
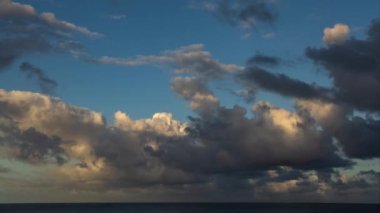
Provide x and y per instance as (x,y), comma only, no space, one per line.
(117,16)
(261,59)
(195,90)
(191,59)
(336,35)
(354,67)
(46,84)
(275,155)
(358,136)
(12,11)
(24,31)
(244,14)
(225,141)
(16,47)
(285,184)
(29,145)
(83,145)
(228,142)
(255,78)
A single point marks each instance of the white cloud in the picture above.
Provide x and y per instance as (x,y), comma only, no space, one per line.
(336,35)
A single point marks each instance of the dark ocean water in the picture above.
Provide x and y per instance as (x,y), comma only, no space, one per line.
(191,208)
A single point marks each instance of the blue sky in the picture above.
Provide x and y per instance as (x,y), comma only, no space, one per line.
(300,24)
(131,30)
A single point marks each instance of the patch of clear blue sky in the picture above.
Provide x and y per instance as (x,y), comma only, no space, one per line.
(151,27)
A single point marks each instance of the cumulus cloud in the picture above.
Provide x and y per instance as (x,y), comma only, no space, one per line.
(285,184)
(228,141)
(29,145)
(83,135)
(358,136)
(84,145)
(336,35)
(275,154)
(354,67)
(220,149)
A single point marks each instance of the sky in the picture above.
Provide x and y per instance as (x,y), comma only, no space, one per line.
(189,101)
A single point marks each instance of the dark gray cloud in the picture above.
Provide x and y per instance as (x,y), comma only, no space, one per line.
(230,142)
(46,84)
(243,13)
(354,67)
(357,135)
(19,46)
(30,145)
(265,60)
(360,137)
(275,155)
(259,78)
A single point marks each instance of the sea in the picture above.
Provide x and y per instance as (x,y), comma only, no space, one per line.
(190,207)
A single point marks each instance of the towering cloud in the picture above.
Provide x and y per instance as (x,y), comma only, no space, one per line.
(261,59)
(358,136)
(266,153)
(354,67)
(224,141)
(83,145)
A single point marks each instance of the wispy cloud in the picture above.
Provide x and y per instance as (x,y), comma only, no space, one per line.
(117,16)
(243,14)
(46,84)
(191,59)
